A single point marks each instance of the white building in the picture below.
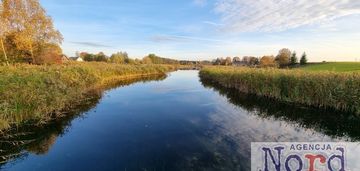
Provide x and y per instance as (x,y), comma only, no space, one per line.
(77,59)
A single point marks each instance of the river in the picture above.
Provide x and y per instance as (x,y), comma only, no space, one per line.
(173,123)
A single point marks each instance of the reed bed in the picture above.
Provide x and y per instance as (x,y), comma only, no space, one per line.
(324,89)
(31,93)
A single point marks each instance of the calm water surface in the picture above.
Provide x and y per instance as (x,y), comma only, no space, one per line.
(173,123)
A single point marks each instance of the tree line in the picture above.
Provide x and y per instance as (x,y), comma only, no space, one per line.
(123,58)
(27,33)
(285,58)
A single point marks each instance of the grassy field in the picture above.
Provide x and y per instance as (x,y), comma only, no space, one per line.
(324,89)
(333,66)
(40,93)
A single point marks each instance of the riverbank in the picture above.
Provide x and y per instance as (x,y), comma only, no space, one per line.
(340,91)
(38,94)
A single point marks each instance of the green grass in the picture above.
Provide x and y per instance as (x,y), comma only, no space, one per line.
(333,66)
(324,89)
(39,93)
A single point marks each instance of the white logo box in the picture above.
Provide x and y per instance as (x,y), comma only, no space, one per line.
(307,156)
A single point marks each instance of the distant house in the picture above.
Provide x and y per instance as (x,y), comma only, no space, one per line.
(64,58)
(77,59)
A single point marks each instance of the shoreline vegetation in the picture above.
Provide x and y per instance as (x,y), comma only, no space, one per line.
(39,139)
(32,94)
(335,124)
(322,89)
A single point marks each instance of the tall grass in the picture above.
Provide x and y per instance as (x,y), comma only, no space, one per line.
(39,93)
(335,90)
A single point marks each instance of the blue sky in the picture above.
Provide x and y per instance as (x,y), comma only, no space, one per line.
(205,29)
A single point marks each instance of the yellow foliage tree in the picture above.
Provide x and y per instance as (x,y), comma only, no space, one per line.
(146,60)
(268,61)
(4,27)
(283,58)
(31,28)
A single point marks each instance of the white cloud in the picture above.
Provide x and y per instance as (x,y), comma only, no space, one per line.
(90,44)
(200,2)
(279,15)
(168,38)
(212,23)
(176,38)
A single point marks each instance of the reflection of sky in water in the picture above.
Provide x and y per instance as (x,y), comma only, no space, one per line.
(237,128)
(174,124)
(237,122)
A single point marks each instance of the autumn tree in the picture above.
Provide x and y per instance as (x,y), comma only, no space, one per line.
(49,54)
(160,60)
(217,61)
(303,60)
(30,29)
(283,58)
(146,60)
(118,58)
(228,61)
(253,61)
(130,61)
(246,60)
(137,61)
(267,61)
(154,59)
(236,60)
(101,57)
(82,55)
(89,57)
(222,61)
(4,28)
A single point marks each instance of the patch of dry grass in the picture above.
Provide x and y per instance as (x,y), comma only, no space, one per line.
(323,89)
(39,93)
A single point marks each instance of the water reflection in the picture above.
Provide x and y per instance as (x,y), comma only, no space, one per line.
(336,124)
(239,119)
(175,124)
(17,143)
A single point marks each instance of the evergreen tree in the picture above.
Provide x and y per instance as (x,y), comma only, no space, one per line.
(303,60)
(293,59)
